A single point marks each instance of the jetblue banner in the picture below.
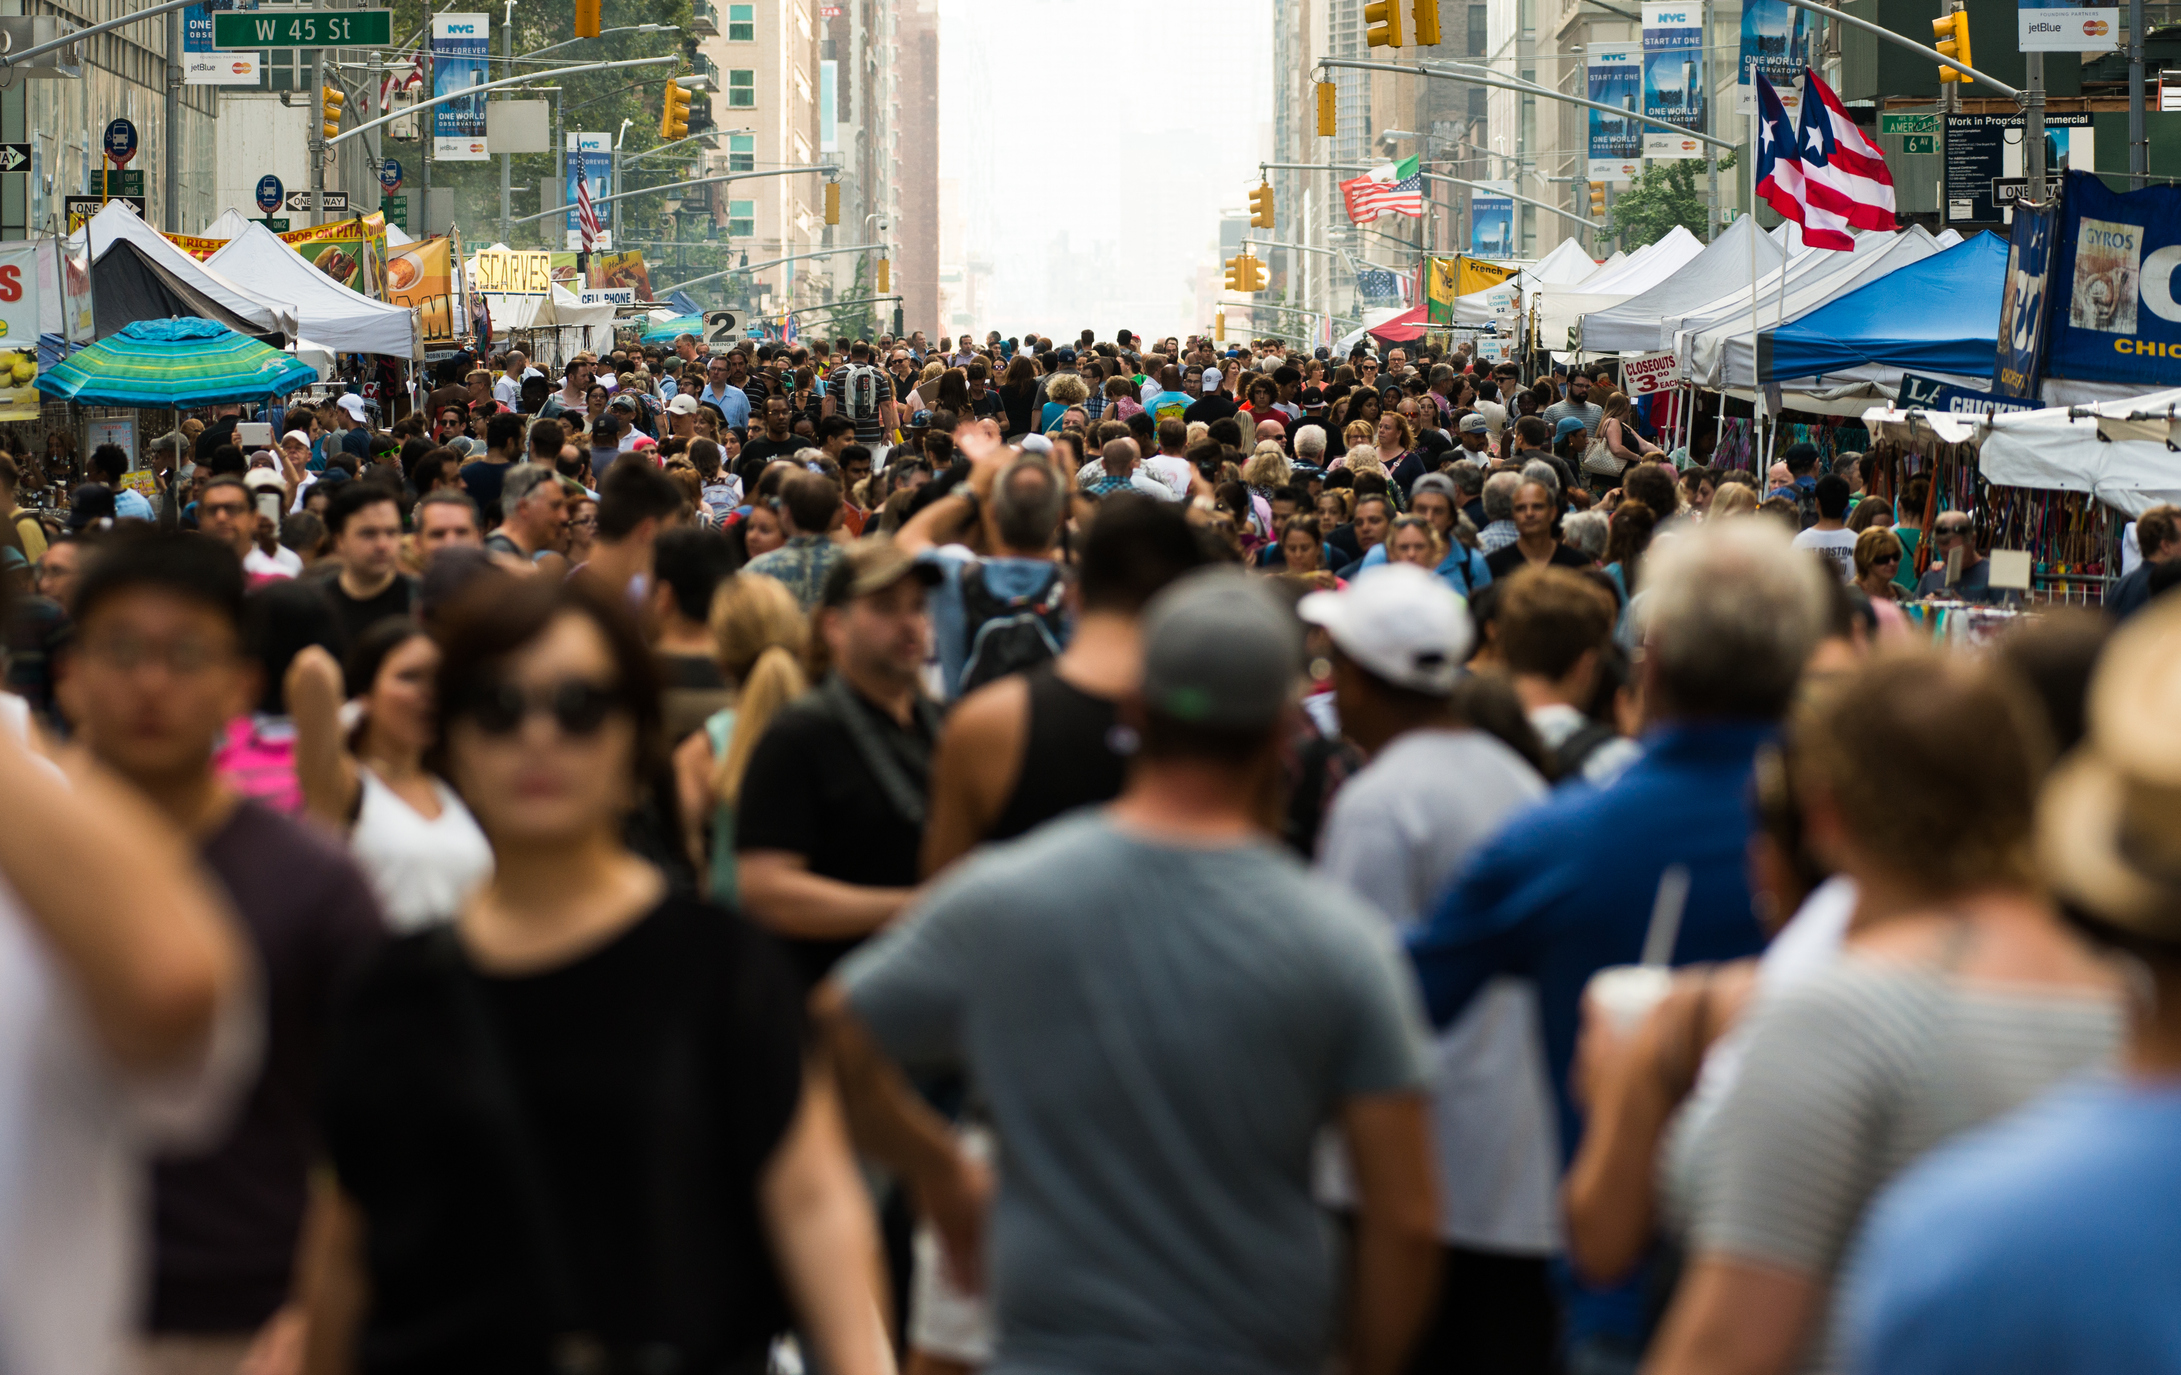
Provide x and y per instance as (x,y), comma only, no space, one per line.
(461,52)
(2116,260)
(1776,42)
(2025,303)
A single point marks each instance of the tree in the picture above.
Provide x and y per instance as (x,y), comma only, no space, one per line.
(1666,194)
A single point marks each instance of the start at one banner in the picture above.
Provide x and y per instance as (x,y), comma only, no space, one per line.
(1615,77)
(461,56)
(1673,77)
(2115,317)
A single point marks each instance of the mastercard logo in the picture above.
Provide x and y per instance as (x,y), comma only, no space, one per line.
(2096,28)
(241,68)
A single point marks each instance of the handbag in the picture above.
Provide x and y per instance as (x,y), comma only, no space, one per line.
(1599,458)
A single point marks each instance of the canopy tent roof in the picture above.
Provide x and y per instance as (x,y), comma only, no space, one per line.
(1402,328)
(1716,348)
(2120,451)
(561,308)
(1937,316)
(331,314)
(169,364)
(396,236)
(1609,286)
(1646,322)
(116,223)
(130,283)
(1566,265)
(230,223)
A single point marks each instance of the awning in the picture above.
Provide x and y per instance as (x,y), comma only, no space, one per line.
(1937,316)
(328,313)
(117,223)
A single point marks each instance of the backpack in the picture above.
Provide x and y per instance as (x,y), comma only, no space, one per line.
(1806,508)
(859,392)
(1008,634)
(1576,750)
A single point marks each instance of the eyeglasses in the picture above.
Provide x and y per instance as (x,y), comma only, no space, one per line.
(579,708)
(1884,559)
(185,656)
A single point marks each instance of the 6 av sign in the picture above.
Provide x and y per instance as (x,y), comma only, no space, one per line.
(303,29)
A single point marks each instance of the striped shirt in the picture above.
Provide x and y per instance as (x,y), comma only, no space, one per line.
(1849,1078)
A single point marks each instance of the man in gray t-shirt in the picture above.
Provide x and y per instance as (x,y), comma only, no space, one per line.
(1577,404)
(1161,1010)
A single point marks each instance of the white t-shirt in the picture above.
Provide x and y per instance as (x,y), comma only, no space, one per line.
(421,869)
(1396,832)
(76,1134)
(1173,472)
(283,562)
(1838,547)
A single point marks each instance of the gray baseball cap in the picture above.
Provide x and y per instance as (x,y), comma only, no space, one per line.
(1220,650)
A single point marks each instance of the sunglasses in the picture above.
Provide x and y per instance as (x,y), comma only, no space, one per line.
(578,708)
(1885,559)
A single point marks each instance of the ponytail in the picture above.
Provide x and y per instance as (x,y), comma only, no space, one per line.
(772,682)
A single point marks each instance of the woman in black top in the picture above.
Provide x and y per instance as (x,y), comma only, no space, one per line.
(574,1130)
(1018,392)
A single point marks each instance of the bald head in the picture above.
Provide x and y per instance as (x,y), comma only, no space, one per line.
(1119,457)
(1270,429)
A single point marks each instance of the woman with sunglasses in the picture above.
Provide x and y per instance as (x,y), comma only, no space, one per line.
(575,1129)
(1878,555)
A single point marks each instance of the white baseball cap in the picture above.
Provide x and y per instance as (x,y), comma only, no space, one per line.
(353,404)
(682,404)
(1403,624)
(1211,378)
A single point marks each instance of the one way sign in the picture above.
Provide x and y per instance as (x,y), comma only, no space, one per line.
(14,157)
(299,201)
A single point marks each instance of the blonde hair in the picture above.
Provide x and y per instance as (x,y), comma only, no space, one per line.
(1268,466)
(1359,432)
(1068,389)
(1733,499)
(1195,431)
(759,636)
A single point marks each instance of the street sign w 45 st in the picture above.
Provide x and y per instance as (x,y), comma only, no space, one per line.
(303,29)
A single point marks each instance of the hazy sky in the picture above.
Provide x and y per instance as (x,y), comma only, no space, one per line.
(1095,145)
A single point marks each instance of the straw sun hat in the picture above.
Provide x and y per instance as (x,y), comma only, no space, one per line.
(2109,821)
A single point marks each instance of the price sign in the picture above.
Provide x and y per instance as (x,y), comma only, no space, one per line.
(120,142)
(269,193)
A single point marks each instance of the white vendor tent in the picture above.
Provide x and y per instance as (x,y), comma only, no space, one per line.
(1565,266)
(331,315)
(265,310)
(230,224)
(1645,323)
(2119,451)
(1610,286)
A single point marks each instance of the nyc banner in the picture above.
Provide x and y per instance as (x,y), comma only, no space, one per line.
(2116,260)
(461,53)
(1615,73)
(1776,42)
(1673,77)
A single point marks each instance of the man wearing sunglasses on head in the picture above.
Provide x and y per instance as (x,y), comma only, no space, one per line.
(1971,581)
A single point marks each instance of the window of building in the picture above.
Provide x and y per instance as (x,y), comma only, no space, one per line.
(742,23)
(742,152)
(1478,15)
(741,219)
(742,88)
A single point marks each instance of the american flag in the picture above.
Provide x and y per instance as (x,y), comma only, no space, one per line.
(1827,176)
(586,213)
(1395,187)
(1380,285)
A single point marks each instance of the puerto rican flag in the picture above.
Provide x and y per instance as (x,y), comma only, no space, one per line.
(1830,179)
(1396,188)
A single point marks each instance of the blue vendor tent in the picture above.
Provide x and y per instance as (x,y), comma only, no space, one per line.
(1940,315)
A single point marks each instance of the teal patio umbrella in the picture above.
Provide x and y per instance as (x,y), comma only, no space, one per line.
(666,330)
(174,364)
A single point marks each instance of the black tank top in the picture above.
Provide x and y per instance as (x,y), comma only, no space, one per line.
(1074,755)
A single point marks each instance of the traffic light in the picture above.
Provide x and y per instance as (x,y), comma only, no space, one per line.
(1261,211)
(885,277)
(1597,200)
(832,202)
(1328,118)
(587,18)
(1382,23)
(330,101)
(1235,276)
(1426,15)
(1219,326)
(1952,38)
(674,115)
(1245,273)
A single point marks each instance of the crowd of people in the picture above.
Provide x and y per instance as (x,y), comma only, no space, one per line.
(1105,856)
